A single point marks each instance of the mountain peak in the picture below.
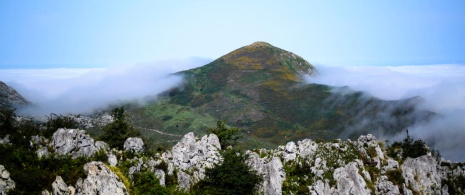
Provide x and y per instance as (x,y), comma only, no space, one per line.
(264,56)
(259,44)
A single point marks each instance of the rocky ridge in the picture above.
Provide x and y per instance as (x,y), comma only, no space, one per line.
(361,166)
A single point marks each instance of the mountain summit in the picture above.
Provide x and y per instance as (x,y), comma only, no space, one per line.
(261,56)
(259,88)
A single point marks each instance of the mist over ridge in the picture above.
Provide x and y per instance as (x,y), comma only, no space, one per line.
(72,91)
(440,87)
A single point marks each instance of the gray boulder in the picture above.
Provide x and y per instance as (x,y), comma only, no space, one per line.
(6,183)
(422,174)
(75,142)
(191,156)
(272,171)
(349,181)
(100,180)
(134,144)
(59,187)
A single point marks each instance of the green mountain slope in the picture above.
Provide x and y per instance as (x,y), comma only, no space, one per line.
(260,89)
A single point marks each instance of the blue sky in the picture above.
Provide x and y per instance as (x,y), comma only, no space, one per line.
(83,34)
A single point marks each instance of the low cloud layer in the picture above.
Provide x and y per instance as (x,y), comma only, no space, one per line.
(64,91)
(441,86)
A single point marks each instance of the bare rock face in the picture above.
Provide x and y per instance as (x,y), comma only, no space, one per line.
(349,181)
(100,180)
(6,183)
(272,171)
(192,156)
(75,143)
(59,187)
(134,144)
(422,174)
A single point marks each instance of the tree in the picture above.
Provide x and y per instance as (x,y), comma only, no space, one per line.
(227,136)
(232,176)
(54,122)
(116,132)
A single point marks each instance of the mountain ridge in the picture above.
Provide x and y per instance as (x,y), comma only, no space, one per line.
(260,89)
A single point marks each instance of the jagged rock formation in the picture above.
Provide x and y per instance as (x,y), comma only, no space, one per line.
(75,143)
(134,144)
(308,167)
(190,155)
(6,183)
(100,180)
(9,97)
(272,171)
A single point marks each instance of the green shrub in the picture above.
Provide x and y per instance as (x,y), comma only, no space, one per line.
(116,132)
(54,122)
(227,136)
(232,176)
(146,183)
(409,147)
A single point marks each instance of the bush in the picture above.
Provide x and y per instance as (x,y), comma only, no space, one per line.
(232,176)
(227,136)
(409,148)
(54,122)
(116,132)
(146,183)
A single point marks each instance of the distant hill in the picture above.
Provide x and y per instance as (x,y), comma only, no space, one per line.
(260,89)
(10,98)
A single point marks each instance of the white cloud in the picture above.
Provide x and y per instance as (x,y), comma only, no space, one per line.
(441,86)
(82,90)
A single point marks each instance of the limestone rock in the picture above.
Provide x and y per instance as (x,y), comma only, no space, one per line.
(134,144)
(59,187)
(100,180)
(422,174)
(112,160)
(160,174)
(74,142)
(349,181)
(184,180)
(6,183)
(384,186)
(272,171)
(193,156)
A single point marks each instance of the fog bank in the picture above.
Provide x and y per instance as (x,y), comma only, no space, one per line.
(441,86)
(65,91)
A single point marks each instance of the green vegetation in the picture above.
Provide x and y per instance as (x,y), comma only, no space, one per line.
(116,132)
(407,148)
(232,176)
(227,136)
(146,183)
(298,177)
(54,122)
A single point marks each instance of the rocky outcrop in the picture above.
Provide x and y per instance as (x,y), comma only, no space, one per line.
(422,174)
(6,183)
(10,98)
(100,180)
(190,155)
(59,187)
(349,181)
(134,144)
(272,171)
(75,142)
